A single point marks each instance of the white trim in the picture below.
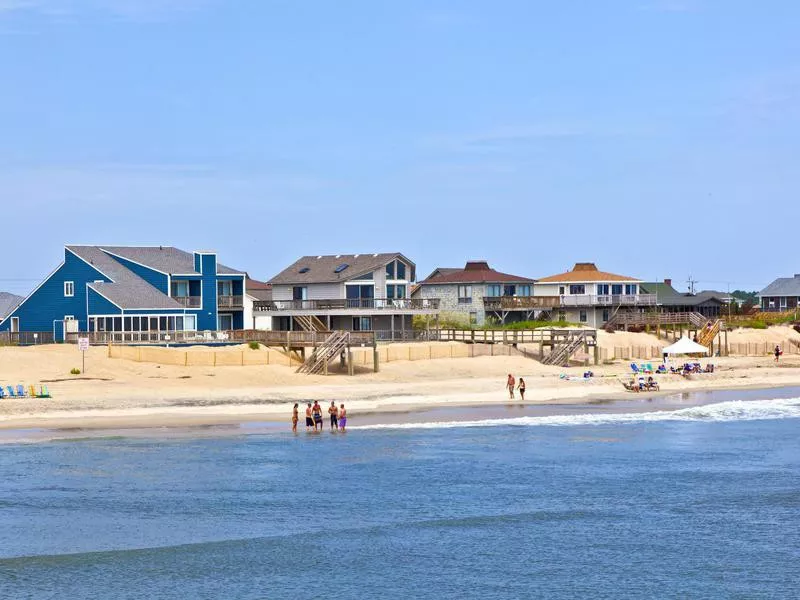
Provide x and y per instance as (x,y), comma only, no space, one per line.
(11,325)
(66,248)
(136,262)
(69,289)
(36,289)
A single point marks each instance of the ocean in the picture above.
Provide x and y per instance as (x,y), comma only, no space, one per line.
(699,502)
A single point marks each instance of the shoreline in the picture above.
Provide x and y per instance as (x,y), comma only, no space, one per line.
(276,414)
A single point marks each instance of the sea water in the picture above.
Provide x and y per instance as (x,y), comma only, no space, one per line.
(702,502)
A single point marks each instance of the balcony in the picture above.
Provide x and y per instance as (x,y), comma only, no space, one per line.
(520,302)
(230,302)
(188,301)
(348,305)
(610,300)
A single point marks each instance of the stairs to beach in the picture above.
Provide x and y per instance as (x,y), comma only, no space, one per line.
(561,353)
(324,354)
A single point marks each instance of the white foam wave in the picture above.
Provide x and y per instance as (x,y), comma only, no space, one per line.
(738,410)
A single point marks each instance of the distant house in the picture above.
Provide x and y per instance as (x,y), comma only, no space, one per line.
(8,302)
(350,292)
(257,291)
(478,292)
(154,290)
(669,300)
(781,295)
(590,296)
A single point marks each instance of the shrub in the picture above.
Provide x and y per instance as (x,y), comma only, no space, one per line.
(75,372)
(254,345)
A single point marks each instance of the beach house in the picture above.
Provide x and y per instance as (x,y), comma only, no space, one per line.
(257,291)
(589,296)
(669,300)
(477,294)
(136,292)
(8,302)
(349,292)
(781,295)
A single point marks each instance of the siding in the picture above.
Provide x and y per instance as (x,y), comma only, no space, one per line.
(207,318)
(48,303)
(448,296)
(99,305)
(316,291)
(154,278)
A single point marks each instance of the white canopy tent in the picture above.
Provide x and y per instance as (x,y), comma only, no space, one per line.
(685,346)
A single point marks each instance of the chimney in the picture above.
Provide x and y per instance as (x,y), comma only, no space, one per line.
(668,282)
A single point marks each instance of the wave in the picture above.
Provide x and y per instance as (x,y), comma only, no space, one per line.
(737,410)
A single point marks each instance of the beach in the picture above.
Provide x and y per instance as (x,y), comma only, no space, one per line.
(120,393)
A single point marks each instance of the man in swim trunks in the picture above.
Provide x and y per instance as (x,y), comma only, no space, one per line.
(309,418)
(334,413)
(510,382)
(317,412)
(295,418)
(342,418)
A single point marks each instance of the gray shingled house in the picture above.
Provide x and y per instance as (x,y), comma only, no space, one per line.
(781,295)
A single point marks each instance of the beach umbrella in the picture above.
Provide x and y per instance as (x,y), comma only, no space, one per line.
(685,346)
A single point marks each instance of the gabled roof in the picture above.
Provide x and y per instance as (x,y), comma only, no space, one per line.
(439,271)
(165,259)
(258,289)
(783,286)
(323,269)
(666,295)
(8,302)
(586,272)
(474,272)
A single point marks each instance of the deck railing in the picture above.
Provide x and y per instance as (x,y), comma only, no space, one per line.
(520,302)
(188,301)
(268,338)
(609,300)
(230,301)
(26,338)
(347,304)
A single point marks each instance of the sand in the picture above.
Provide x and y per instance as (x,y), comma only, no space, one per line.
(120,393)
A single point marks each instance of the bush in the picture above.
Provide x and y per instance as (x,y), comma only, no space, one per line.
(254,345)
(75,372)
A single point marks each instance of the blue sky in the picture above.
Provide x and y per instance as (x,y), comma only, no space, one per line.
(657,138)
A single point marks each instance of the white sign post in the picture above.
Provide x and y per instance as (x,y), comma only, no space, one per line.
(83,346)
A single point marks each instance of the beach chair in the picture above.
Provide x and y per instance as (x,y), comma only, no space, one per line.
(21,391)
(32,392)
(11,393)
(2,393)
(650,368)
(44,392)
(634,368)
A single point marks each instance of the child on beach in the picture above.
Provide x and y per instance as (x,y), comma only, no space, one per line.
(295,418)
(510,382)
(342,418)
(777,353)
(521,388)
(334,413)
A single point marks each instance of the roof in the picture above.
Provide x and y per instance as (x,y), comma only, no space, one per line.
(258,289)
(166,259)
(8,302)
(585,272)
(322,269)
(127,290)
(438,271)
(474,272)
(666,295)
(783,286)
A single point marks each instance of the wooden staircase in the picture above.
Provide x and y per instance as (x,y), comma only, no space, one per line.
(311,323)
(706,335)
(631,319)
(324,354)
(561,354)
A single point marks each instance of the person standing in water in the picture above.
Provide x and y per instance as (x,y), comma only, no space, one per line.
(510,383)
(342,418)
(521,388)
(309,417)
(295,417)
(334,413)
(317,412)
(778,353)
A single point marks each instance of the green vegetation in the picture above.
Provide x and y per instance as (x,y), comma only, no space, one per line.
(253,345)
(75,372)
(461,321)
(532,325)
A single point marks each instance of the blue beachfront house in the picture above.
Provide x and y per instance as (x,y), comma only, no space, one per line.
(148,291)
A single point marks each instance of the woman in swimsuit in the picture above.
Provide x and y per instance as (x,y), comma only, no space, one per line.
(309,418)
(295,418)
(342,418)
(521,388)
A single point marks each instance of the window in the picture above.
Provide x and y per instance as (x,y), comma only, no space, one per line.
(190,323)
(630,289)
(396,270)
(494,291)
(341,268)
(616,289)
(606,315)
(783,301)
(362,323)
(473,318)
(69,317)
(225,288)
(395,292)
(561,290)
(602,289)
(401,292)
(69,289)
(582,316)
(390,291)
(401,271)
(577,289)
(390,270)
(304,270)
(180,289)
(523,290)
(299,293)
(465,294)
(509,290)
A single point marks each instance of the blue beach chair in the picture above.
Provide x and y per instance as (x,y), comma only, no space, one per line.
(11,393)
(634,367)
(21,391)
(2,393)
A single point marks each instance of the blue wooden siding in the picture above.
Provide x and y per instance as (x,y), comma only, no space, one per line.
(48,303)
(158,280)
(100,305)
(207,318)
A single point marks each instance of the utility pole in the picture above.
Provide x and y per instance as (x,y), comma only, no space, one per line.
(691,283)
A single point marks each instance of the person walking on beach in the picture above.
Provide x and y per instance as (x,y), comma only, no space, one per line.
(309,418)
(342,418)
(521,388)
(334,413)
(510,383)
(295,417)
(777,353)
(317,412)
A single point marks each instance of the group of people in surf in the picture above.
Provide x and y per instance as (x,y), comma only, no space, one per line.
(337,414)
(512,384)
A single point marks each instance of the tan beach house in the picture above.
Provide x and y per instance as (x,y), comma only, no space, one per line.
(346,292)
(590,296)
